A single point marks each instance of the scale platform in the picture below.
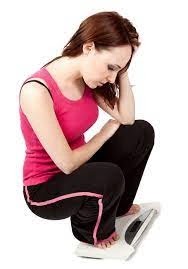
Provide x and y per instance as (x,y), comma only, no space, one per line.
(131,230)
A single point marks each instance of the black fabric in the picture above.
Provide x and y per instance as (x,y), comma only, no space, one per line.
(114,172)
(39,83)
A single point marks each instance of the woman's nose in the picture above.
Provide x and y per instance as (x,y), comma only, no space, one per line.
(111,78)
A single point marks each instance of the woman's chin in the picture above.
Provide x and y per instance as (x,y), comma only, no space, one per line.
(93,85)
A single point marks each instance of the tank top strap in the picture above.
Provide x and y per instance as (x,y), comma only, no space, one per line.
(51,85)
(53,88)
(41,73)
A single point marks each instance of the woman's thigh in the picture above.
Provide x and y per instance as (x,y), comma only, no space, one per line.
(127,141)
(63,195)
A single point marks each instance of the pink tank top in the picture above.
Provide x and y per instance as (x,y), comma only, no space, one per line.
(74,117)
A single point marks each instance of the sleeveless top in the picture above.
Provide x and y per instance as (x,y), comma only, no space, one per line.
(75,118)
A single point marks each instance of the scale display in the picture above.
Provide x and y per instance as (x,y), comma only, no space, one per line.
(137,227)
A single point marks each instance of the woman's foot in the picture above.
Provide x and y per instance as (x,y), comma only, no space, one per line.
(133,210)
(110,242)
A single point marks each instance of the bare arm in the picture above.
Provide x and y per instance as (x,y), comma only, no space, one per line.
(126,102)
(85,152)
(37,105)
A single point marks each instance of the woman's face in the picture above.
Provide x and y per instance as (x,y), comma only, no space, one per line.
(102,66)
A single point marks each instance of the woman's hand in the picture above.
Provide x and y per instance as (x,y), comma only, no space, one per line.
(110,127)
(122,72)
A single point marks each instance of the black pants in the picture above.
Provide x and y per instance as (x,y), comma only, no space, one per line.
(99,190)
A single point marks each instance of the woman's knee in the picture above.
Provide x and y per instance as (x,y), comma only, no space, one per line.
(115,177)
(148,130)
(108,174)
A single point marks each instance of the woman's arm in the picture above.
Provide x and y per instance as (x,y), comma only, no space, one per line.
(126,103)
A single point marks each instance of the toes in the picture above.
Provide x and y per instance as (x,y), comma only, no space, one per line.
(134,209)
(112,241)
(116,236)
(108,244)
(103,245)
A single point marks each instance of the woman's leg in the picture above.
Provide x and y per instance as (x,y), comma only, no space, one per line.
(129,148)
(89,195)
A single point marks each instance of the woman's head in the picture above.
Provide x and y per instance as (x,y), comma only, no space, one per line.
(102,40)
(102,66)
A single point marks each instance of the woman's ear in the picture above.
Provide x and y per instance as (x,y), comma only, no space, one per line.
(89,48)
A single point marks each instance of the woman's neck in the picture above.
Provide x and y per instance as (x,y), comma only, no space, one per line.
(66,71)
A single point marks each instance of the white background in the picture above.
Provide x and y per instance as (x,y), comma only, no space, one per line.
(32,33)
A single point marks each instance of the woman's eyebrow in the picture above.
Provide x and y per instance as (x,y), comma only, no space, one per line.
(116,65)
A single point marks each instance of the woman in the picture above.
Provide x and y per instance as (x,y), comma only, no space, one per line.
(63,176)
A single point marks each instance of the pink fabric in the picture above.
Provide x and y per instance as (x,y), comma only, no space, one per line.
(74,117)
(66,196)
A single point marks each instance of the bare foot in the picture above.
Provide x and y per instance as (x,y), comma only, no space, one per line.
(133,210)
(108,243)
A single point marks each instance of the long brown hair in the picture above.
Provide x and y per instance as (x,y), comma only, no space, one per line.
(105,29)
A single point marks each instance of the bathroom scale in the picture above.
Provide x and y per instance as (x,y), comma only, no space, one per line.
(131,229)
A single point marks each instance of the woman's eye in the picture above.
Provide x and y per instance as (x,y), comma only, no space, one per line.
(110,68)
